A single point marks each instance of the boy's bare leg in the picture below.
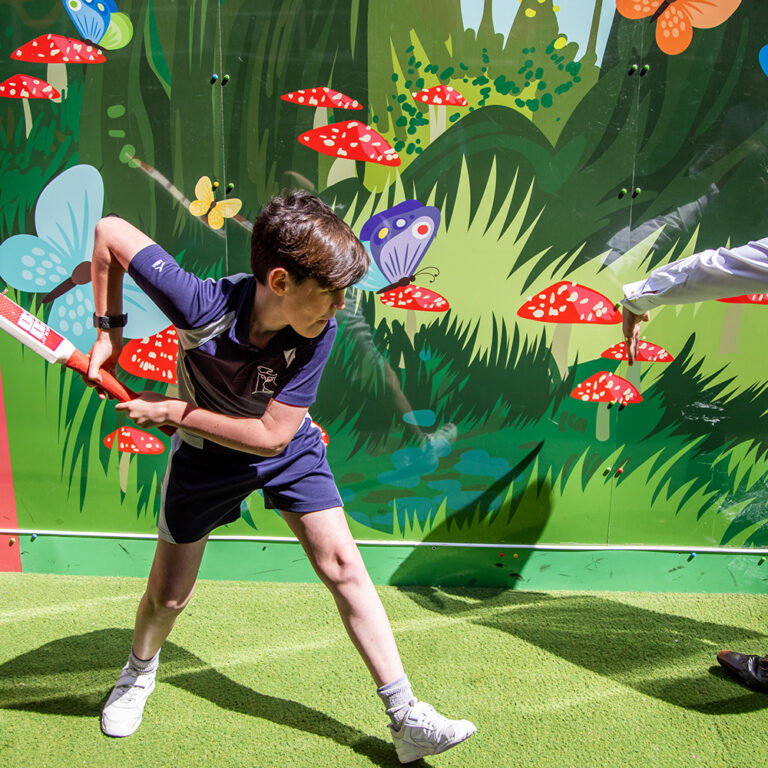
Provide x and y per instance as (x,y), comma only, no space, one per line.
(333,553)
(417,729)
(169,589)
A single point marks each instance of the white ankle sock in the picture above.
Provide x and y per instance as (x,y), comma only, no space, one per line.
(397,697)
(144,665)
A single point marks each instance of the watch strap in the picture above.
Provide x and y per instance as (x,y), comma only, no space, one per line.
(107,322)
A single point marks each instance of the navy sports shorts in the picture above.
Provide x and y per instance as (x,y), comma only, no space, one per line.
(204,487)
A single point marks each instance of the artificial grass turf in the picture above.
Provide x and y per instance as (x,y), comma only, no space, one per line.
(263,675)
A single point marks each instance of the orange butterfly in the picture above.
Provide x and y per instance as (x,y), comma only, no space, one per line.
(675,19)
(207,205)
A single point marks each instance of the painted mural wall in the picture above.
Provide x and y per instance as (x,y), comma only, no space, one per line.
(509,165)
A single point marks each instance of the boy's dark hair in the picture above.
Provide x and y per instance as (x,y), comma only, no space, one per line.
(299,232)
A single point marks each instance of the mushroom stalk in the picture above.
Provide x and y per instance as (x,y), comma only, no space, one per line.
(341,169)
(437,122)
(603,422)
(729,336)
(560,342)
(124,468)
(27,117)
(57,77)
(634,372)
(410,326)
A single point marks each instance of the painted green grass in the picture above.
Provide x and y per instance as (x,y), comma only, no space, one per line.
(264,675)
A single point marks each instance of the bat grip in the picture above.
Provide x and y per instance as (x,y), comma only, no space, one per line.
(77,361)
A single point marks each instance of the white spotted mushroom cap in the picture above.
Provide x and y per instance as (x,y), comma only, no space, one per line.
(27,87)
(414,297)
(153,357)
(351,140)
(440,95)
(646,352)
(567,302)
(321,97)
(57,49)
(605,387)
(132,440)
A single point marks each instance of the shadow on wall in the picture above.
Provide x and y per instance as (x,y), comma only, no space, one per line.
(486,566)
(655,653)
(53,671)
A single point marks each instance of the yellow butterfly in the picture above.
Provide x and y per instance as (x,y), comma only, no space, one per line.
(207,205)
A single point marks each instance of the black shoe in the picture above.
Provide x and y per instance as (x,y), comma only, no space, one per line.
(750,670)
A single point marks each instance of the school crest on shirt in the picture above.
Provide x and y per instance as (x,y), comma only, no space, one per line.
(266,381)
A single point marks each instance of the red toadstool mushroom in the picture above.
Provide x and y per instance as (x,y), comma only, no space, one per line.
(57,51)
(729,336)
(646,353)
(131,441)
(350,141)
(323,99)
(439,98)
(153,357)
(414,297)
(566,304)
(26,87)
(606,388)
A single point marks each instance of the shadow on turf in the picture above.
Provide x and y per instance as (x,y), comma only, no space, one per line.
(43,680)
(636,647)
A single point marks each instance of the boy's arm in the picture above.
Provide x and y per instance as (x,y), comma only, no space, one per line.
(115,245)
(116,242)
(265,436)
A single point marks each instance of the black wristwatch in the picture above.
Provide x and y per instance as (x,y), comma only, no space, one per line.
(107,322)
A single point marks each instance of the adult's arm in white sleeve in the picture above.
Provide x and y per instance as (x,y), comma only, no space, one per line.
(711,274)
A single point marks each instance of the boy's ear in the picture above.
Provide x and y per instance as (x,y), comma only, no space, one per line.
(278,280)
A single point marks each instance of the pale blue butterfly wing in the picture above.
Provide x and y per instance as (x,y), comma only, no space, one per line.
(374,279)
(66,214)
(144,317)
(68,210)
(29,263)
(72,316)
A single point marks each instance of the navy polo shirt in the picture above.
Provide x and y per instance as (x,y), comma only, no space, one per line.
(218,368)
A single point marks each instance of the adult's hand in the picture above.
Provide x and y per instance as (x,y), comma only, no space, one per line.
(631,325)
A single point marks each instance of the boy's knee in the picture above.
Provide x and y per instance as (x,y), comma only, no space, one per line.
(343,566)
(167,601)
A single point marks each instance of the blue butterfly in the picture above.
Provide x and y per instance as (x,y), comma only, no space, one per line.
(99,22)
(397,240)
(56,262)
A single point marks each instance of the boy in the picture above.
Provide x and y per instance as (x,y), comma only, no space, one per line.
(251,352)
(711,274)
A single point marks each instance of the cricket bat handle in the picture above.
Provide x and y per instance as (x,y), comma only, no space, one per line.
(77,361)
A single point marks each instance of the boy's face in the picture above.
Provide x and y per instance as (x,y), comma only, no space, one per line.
(308,307)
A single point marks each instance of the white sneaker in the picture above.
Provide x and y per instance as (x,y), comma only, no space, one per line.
(124,709)
(426,732)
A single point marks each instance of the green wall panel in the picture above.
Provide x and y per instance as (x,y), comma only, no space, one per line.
(403,565)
